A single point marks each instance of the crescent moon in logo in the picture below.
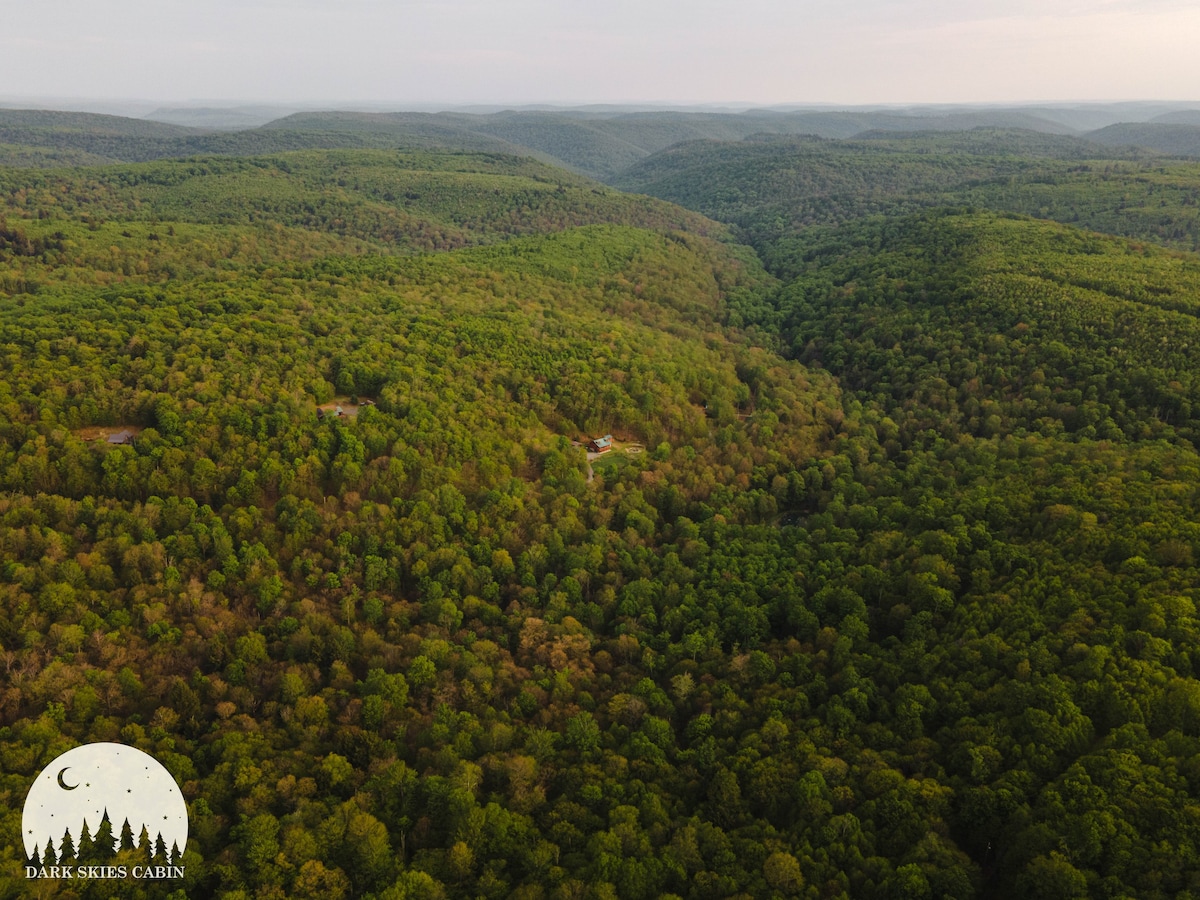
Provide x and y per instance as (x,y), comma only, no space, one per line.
(62,784)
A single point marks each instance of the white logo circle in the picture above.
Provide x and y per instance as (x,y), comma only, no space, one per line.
(89,782)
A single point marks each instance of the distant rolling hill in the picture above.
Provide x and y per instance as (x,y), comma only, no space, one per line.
(774,186)
(1179,117)
(232,118)
(1173,139)
(990,141)
(392,200)
(99,138)
(602,144)
(599,144)
(117,139)
(49,137)
(32,122)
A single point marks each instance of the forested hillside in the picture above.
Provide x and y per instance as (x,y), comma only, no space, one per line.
(994,325)
(1180,137)
(774,188)
(888,588)
(1037,377)
(393,201)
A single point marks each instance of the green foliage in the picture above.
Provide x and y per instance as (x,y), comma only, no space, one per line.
(990,325)
(911,613)
(384,200)
(774,189)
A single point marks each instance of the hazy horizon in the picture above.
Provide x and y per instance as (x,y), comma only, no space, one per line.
(139,107)
(456,53)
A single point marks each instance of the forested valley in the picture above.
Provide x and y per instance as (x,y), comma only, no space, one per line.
(887,589)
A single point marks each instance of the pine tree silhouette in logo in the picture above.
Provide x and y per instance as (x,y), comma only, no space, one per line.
(66,849)
(71,807)
(126,837)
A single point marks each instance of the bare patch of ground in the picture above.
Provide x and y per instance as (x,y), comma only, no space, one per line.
(343,406)
(104,432)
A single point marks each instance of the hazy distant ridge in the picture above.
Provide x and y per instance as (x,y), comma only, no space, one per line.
(1171,139)
(599,143)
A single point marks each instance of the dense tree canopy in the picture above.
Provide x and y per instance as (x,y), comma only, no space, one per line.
(888,589)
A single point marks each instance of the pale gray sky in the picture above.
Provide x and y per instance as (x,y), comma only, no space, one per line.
(595,51)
